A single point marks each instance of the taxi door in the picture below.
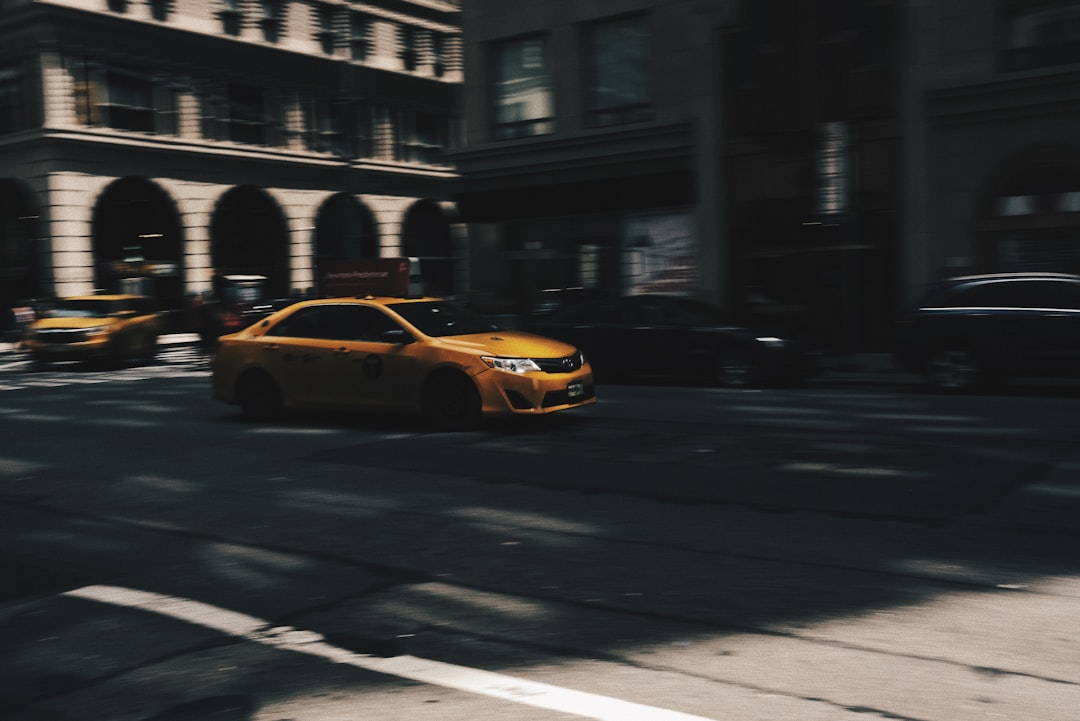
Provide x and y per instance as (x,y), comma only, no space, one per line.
(374,363)
(298,353)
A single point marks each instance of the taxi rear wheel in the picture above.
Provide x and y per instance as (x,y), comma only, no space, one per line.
(258,396)
(451,402)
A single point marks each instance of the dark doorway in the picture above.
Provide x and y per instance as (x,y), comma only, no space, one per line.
(138,242)
(345,229)
(425,234)
(249,235)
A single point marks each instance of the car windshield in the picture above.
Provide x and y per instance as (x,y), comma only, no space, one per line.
(438,318)
(82,309)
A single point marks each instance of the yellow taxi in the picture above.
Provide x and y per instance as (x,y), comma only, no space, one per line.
(95,327)
(413,354)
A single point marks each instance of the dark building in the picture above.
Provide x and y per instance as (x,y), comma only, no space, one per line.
(822,159)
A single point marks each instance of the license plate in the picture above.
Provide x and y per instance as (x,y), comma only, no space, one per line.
(576,389)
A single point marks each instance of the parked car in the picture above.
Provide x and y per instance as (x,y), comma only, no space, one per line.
(972,331)
(423,355)
(675,337)
(95,327)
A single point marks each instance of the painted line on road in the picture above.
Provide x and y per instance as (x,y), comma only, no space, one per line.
(435,673)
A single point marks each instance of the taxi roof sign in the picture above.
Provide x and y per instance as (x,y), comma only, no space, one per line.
(395,277)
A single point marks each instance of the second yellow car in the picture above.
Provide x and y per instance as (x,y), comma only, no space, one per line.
(95,328)
(424,355)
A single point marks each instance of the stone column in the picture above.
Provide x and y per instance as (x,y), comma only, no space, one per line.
(71,200)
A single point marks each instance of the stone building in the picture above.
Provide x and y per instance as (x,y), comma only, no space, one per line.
(150,144)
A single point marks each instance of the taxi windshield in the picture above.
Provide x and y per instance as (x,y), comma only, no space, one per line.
(82,309)
(442,318)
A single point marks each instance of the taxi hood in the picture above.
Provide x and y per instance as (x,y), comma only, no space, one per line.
(510,344)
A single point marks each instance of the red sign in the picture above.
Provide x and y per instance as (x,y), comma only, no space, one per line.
(398,277)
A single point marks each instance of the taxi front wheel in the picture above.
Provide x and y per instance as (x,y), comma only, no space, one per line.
(259,397)
(451,402)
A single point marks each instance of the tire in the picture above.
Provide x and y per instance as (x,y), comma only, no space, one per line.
(736,368)
(259,397)
(451,402)
(955,369)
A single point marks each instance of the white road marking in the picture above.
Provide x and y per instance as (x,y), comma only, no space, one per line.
(436,673)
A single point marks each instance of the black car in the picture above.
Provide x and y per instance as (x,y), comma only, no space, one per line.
(661,336)
(972,331)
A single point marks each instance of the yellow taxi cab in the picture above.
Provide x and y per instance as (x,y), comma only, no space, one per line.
(412,354)
(95,327)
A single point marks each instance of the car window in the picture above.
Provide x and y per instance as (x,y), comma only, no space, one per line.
(439,318)
(336,322)
(313,322)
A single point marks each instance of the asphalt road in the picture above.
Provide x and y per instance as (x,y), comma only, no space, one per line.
(844,551)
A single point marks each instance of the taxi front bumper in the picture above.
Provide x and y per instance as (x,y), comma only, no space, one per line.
(535,393)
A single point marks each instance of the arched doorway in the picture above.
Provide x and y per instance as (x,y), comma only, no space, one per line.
(248,234)
(1029,218)
(138,242)
(425,234)
(345,229)
(20,268)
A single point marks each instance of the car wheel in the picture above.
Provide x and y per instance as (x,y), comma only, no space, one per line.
(259,397)
(451,402)
(736,368)
(954,369)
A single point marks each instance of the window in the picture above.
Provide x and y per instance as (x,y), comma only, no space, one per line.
(336,322)
(124,99)
(407,42)
(270,22)
(118,6)
(247,118)
(14,105)
(130,102)
(1039,34)
(618,85)
(438,51)
(159,9)
(231,17)
(327,34)
(360,36)
(333,127)
(522,92)
(424,136)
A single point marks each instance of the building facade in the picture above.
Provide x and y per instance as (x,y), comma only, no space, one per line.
(822,159)
(150,144)
(995,162)
(592,149)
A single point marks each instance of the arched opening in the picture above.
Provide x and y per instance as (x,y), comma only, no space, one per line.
(20,266)
(248,234)
(138,242)
(345,229)
(425,234)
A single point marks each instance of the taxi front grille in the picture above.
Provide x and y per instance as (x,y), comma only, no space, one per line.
(569,364)
(61,335)
(562,398)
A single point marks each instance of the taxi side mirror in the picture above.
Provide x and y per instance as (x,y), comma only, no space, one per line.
(398,336)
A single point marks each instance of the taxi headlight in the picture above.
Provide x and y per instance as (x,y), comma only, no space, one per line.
(511,365)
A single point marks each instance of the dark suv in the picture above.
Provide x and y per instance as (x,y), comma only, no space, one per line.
(974,330)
